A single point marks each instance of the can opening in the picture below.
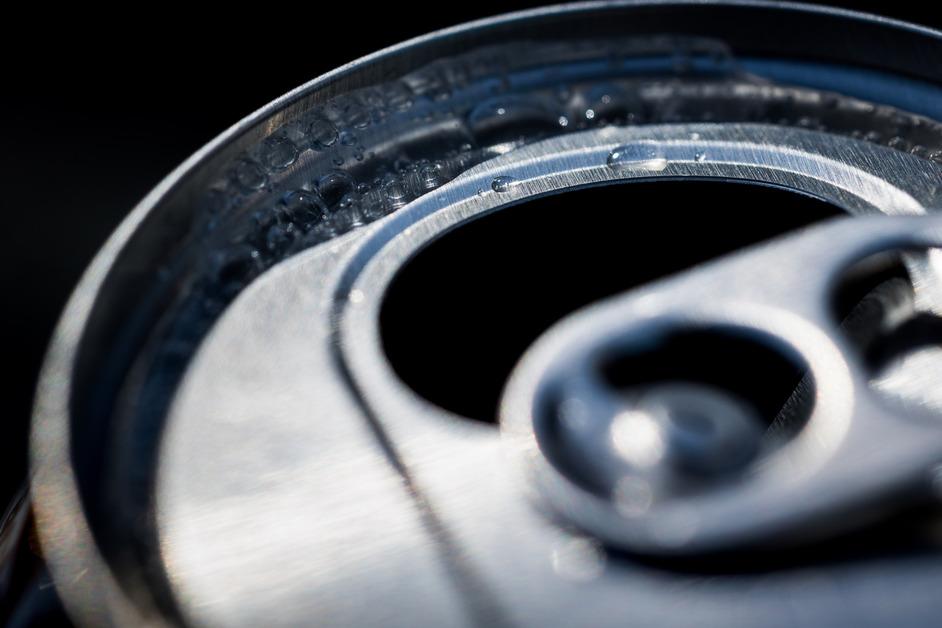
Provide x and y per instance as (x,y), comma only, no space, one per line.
(459,315)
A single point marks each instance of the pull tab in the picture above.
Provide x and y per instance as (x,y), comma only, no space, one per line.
(677,455)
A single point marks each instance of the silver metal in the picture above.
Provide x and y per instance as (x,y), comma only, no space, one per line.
(299,481)
(855,452)
(222,479)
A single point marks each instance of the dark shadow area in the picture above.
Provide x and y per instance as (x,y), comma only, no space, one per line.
(460,314)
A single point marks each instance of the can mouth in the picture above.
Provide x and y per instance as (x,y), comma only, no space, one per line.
(362,229)
(475,320)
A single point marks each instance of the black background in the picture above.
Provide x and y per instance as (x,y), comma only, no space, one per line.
(100,105)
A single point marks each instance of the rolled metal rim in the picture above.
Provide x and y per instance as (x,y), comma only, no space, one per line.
(89,589)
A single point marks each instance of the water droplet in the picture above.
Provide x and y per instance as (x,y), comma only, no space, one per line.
(430,176)
(398,96)
(342,222)
(503,183)
(350,212)
(348,201)
(589,114)
(563,121)
(348,138)
(249,175)
(278,153)
(507,118)
(303,208)
(700,157)
(360,118)
(334,185)
(899,143)
(640,156)
(323,134)
(395,193)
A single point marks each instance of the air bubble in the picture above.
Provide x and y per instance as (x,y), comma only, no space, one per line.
(503,183)
(641,156)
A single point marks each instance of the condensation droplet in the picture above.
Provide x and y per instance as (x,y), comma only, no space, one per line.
(323,134)
(303,208)
(899,143)
(503,183)
(430,176)
(395,193)
(249,175)
(640,156)
(278,153)
(334,185)
(360,118)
